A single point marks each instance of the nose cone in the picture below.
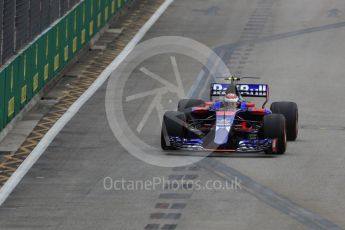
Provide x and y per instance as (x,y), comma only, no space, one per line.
(223,126)
(221,136)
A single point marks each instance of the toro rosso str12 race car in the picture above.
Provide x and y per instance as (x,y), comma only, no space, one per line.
(230,123)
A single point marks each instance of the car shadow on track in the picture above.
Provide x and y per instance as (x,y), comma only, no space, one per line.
(222,155)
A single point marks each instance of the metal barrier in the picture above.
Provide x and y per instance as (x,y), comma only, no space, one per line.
(29,71)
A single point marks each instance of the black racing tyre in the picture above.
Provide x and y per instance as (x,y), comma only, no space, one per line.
(173,125)
(189,103)
(274,128)
(290,112)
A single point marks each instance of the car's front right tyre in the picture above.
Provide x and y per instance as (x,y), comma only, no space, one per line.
(173,125)
(274,128)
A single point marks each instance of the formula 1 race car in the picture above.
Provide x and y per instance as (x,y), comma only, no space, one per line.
(229,123)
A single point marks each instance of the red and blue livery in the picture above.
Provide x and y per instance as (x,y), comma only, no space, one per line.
(231,123)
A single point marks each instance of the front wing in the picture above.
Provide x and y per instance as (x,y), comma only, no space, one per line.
(244,146)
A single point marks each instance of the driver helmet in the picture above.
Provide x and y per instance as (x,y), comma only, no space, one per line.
(231,100)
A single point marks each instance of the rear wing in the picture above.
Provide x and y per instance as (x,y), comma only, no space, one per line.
(245,90)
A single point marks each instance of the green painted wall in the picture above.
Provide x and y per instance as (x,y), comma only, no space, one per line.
(28,72)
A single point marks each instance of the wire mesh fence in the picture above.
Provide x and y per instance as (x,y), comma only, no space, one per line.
(22,20)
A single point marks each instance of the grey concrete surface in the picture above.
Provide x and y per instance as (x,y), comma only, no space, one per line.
(295,46)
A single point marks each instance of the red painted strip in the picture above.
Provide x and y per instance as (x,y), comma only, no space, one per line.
(274,145)
(200,108)
(227,113)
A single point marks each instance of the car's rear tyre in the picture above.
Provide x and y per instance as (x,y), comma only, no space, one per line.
(189,103)
(290,112)
(173,125)
(274,128)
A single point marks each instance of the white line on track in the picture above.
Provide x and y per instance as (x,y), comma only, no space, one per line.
(17,176)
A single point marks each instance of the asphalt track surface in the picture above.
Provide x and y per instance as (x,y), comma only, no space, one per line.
(295,46)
